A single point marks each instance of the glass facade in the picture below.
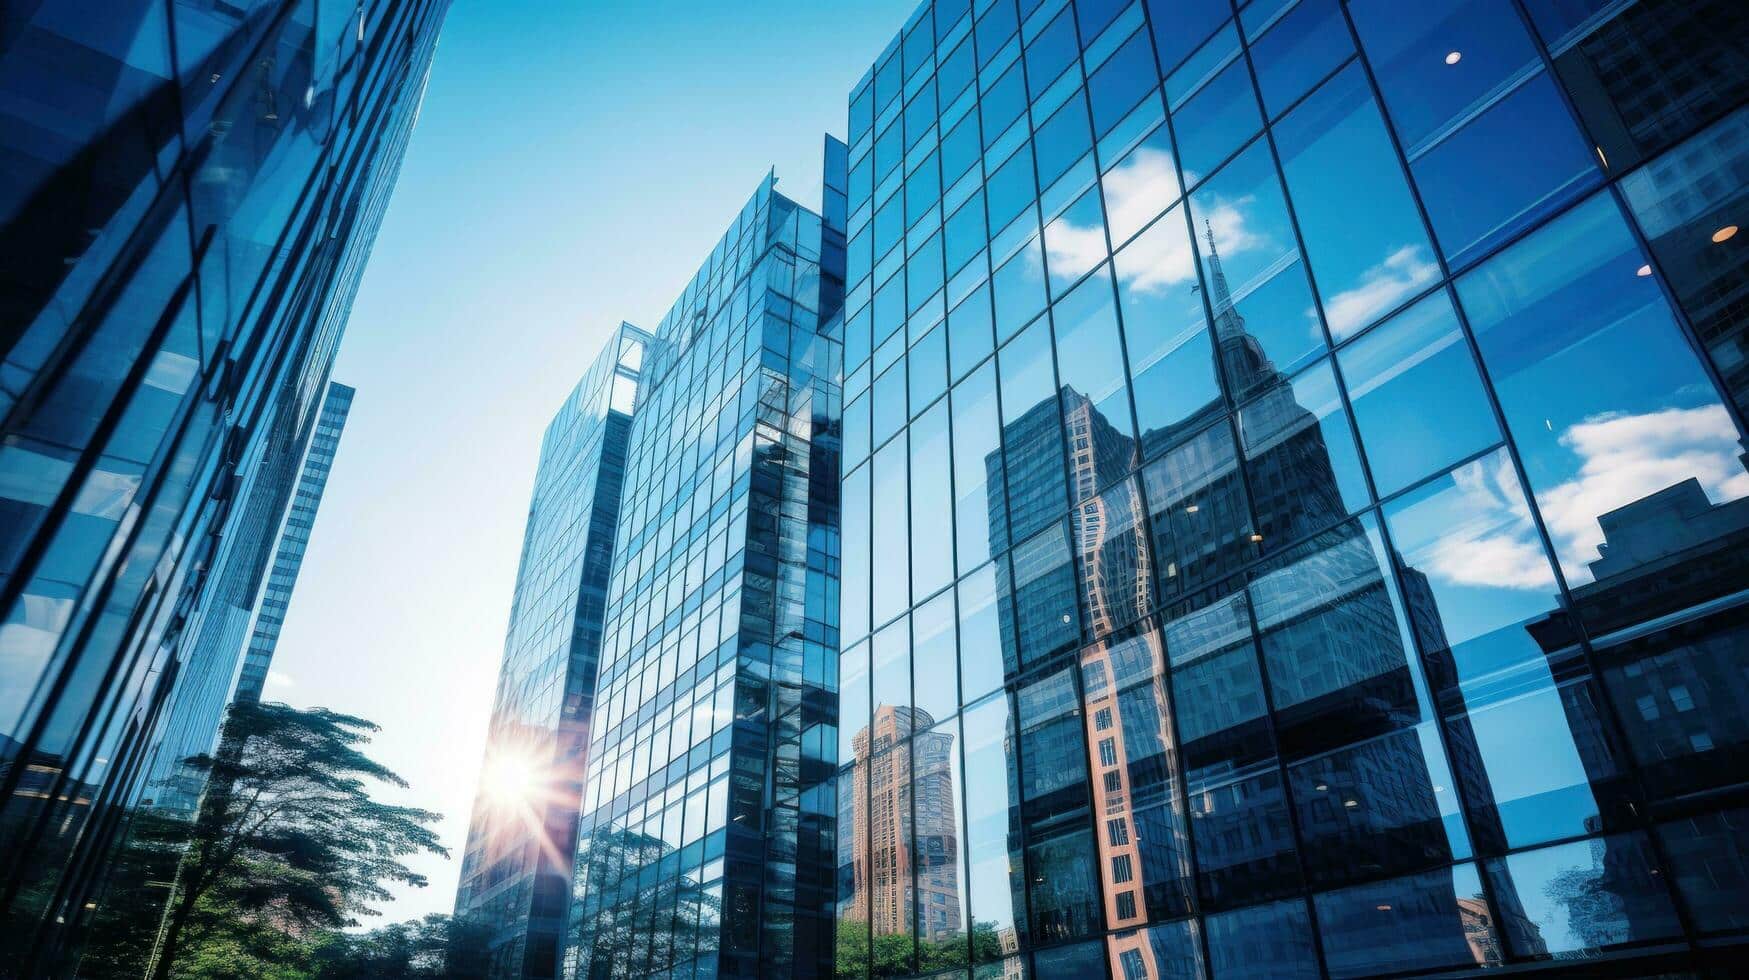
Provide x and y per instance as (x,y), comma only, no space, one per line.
(191,193)
(516,870)
(1295,490)
(706,845)
(294,539)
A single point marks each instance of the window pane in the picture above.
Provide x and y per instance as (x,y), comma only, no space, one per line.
(1096,405)
(1053,753)
(1418,399)
(1433,921)
(1166,333)
(1200,518)
(977,468)
(1038,598)
(1165,952)
(1709,855)
(1075,242)
(993,825)
(1140,186)
(931,532)
(1019,288)
(1216,121)
(1124,681)
(1117,578)
(1300,458)
(1557,317)
(1122,81)
(935,662)
(936,785)
(854,523)
(1031,432)
(1273,941)
(1368,251)
(1306,44)
(970,332)
(891,667)
(1579,899)
(987,651)
(888,533)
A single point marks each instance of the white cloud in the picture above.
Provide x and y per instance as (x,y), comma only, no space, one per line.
(1381,288)
(1138,189)
(1626,457)
(1494,543)
(278,679)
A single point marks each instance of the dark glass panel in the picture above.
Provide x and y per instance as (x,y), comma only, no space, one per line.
(1181,25)
(1081,960)
(1197,507)
(928,369)
(1418,399)
(1217,120)
(1267,942)
(1117,580)
(1096,405)
(1297,49)
(1427,922)
(1368,251)
(1031,432)
(1052,50)
(1709,856)
(1122,81)
(1576,900)
(1038,603)
(1001,105)
(1300,461)
(1060,859)
(1165,952)
(1063,140)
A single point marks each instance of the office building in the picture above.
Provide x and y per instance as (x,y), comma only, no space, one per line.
(1294,462)
(706,845)
(192,191)
(294,539)
(516,869)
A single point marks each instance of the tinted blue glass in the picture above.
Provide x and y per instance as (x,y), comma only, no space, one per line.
(1090,356)
(1165,331)
(1075,241)
(1140,185)
(977,468)
(888,309)
(920,115)
(1303,46)
(1269,942)
(995,26)
(889,224)
(922,190)
(1010,190)
(1200,517)
(1122,81)
(935,657)
(1433,921)
(1052,50)
(960,149)
(888,533)
(1180,26)
(1004,103)
(1216,120)
(992,821)
(955,72)
(853,697)
(1019,289)
(1054,793)
(889,404)
(1300,458)
(853,613)
(1710,857)
(889,151)
(1520,161)
(856,430)
(1368,251)
(1418,400)
(965,234)
(971,332)
(890,665)
(1038,595)
(1589,897)
(923,273)
(986,646)
(928,369)
(888,80)
(931,529)
(1242,210)
(1170,951)
(1111,542)
(1063,139)
(1557,316)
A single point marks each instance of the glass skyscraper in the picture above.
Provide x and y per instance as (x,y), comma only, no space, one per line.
(1295,498)
(706,845)
(191,192)
(516,870)
(294,539)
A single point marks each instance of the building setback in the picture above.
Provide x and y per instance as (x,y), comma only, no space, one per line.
(1294,473)
(192,191)
(706,843)
(516,869)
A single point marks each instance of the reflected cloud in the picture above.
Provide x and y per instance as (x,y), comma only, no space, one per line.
(1138,189)
(1624,458)
(1494,544)
(1382,288)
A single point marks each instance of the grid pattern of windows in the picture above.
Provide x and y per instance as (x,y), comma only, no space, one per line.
(1294,455)
(706,842)
(191,191)
(516,870)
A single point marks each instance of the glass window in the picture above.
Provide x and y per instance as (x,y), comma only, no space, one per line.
(853,698)
(1368,251)
(1141,185)
(1217,120)
(853,608)
(922,190)
(960,150)
(1181,25)
(1691,203)
(888,532)
(937,784)
(987,651)
(954,71)
(920,115)
(995,26)
(890,675)
(1709,857)
(936,662)
(1433,921)
(1117,575)
(1201,520)
(888,400)
(1075,241)
(1038,595)
(1063,139)
(1054,811)
(1296,49)
(1019,288)
(977,469)
(971,332)
(1166,333)
(1122,81)
(923,276)
(1583,898)
(1300,459)
(931,531)
(1418,400)
(1273,941)
(965,235)
(1010,190)
(1557,317)
(993,825)
(928,369)
(1002,104)
(1242,217)
(1051,51)
(1031,432)
(1079,960)
(1090,368)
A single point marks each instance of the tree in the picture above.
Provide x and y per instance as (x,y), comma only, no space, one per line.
(436,946)
(287,835)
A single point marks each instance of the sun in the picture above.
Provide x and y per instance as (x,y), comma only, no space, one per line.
(510,778)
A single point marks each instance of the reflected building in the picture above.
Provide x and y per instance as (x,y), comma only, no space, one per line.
(517,867)
(907,814)
(192,193)
(707,838)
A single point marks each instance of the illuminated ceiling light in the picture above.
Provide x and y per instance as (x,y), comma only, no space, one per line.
(1384,908)
(1323,787)
(1643,271)
(1256,538)
(1724,234)
(1351,804)
(1065,617)
(1454,57)
(1192,509)
(1601,158)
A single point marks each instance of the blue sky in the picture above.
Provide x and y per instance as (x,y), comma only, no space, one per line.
(572,166)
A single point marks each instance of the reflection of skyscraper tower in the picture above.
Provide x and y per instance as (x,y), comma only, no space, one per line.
(1116,588)
(906,789)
